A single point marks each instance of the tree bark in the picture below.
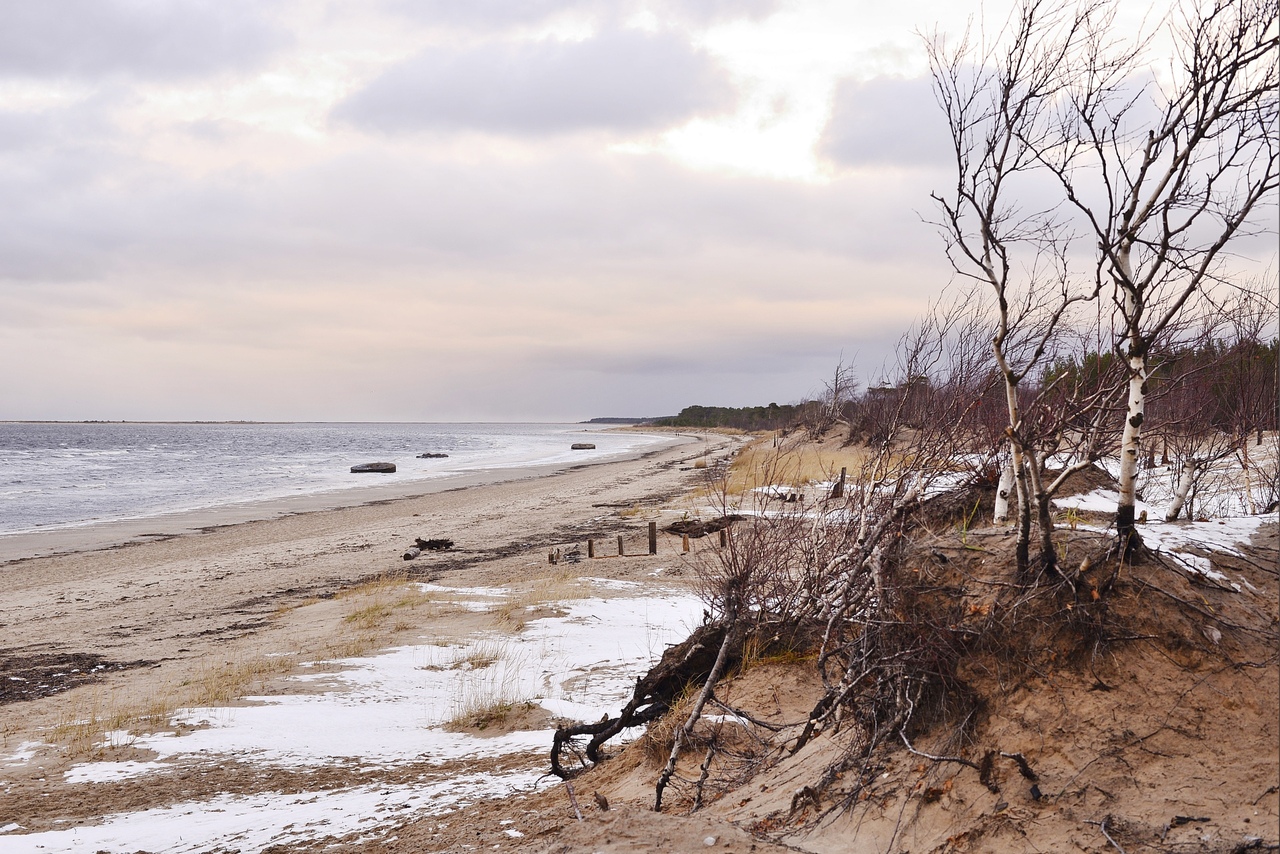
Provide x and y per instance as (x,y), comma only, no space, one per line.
(1131,439)
(1185,482)
(1044,515)
(1022,550)
(1001,515)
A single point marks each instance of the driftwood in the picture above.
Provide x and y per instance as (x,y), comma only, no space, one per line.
(420,545)
(697,528)
(685,663)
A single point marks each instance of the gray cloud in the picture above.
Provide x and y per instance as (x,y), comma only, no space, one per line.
(619,80)
(526,286)
(96,37)
(56,169)
(81,211)
(886,121)
(488,15)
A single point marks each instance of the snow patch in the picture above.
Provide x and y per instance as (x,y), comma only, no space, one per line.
(251,823)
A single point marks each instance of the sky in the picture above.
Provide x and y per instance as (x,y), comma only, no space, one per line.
(454,210)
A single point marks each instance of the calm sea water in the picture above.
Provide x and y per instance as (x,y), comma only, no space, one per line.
(56,475)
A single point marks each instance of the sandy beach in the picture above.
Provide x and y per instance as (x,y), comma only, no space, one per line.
(292,684)
(196,613)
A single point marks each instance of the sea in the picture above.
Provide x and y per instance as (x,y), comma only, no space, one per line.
(58,475)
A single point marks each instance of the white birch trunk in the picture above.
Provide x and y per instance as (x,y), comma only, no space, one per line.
(1131,445)
(1185,482)
(1131,438)
(1001,515)
(1245,466)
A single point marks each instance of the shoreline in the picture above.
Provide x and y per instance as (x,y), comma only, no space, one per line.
(76,538)
(110,650)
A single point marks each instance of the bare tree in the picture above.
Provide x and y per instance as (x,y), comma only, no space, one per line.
(1166,170)
(997,99)
(820,415)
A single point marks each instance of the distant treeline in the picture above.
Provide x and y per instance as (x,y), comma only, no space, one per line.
(1228,386)
(771,417)
(1224,385)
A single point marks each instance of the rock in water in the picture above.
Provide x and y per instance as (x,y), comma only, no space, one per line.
(582,446)
(386,468)
(431,456)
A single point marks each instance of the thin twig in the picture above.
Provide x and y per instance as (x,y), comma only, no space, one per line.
(739,713)
(960,759)
(1102,825)
(573,800)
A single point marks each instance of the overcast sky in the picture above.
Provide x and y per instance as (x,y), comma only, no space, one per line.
(452,210)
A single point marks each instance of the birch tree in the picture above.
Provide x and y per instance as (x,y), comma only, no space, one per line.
(1166,167)
(998,101)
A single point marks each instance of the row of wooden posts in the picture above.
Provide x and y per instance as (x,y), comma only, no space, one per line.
(553,556)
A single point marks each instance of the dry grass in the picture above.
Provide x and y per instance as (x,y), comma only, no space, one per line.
(351,646)
(757,652)
(228,682)
(100,721)
(379,600)
(538,600)
(96,721)
(478,656)
(660,735)
(487,694)
(485,715)
(761,463)
(100,724)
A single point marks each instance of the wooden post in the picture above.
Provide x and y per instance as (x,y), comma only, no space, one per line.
(620,551)
(724,537)
(686,542)
(591,548)
(653,538)
(838,492)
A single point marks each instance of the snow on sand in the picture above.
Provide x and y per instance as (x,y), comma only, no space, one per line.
(382,710)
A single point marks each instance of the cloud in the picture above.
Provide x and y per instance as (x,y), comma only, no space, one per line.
(80,212)
(886,121)
(176,38)
(623,80)
(490,15)
(437,288)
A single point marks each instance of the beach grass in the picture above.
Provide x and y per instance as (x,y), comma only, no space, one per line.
(536,600)
(763,463)
(487,694)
